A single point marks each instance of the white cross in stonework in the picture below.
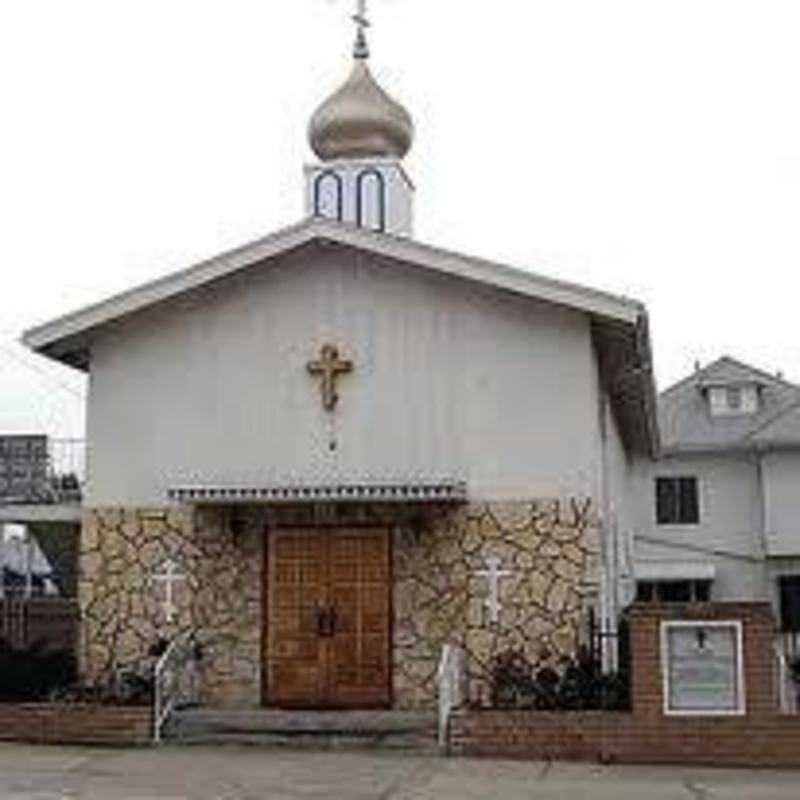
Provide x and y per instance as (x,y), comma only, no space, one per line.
(169,575)
(494,575)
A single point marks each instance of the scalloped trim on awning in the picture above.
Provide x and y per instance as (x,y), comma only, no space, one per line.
(434,492)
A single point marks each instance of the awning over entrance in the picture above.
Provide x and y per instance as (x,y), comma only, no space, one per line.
(674,571)
(422,492)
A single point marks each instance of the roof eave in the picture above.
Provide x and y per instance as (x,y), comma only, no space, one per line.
(52,338)
(649,391)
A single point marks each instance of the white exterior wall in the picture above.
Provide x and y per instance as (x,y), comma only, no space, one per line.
(782,503)
(729,535)
(452,379)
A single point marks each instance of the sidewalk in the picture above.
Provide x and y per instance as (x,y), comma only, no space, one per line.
(235,773)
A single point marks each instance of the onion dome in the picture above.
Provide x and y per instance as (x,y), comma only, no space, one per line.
(360,120)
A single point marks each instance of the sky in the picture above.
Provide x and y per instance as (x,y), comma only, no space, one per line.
(647,147)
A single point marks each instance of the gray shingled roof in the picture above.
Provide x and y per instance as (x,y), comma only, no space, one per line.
(686,423)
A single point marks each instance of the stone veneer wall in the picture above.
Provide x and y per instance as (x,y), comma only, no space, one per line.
(220,600)
(548,546)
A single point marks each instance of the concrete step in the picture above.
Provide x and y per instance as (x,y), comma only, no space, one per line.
(394,730)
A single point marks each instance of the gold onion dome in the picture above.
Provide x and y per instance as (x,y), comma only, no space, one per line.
(360,121)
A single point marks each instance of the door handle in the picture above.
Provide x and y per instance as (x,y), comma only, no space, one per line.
(322,621)
(326,621)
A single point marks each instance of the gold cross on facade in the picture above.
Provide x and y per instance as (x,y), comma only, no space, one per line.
(329,368)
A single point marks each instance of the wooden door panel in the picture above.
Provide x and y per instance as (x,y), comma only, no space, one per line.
(359,592)
(346,571)
(296,664)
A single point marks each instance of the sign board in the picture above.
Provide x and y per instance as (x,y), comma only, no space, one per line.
(23,469)
(702,665)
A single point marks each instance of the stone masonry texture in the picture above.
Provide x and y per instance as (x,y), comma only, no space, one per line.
(549,548)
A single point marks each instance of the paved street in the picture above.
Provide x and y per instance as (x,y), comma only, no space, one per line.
(240,773)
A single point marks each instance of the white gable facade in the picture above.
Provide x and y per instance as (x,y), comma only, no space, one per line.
(451,381)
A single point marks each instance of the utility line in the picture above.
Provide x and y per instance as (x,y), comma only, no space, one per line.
(41,372)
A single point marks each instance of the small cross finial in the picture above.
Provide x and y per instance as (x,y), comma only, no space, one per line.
(169,576)
(361,49)
(493,574)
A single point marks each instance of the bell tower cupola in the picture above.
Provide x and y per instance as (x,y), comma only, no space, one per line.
(360,136)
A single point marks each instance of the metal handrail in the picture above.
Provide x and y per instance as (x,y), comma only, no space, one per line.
(450,679)
(174,682)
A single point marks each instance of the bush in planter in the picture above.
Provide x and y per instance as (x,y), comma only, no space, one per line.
(515,683)
(34,673)
(584,686)
(580,686)
(512,684)
(577,688)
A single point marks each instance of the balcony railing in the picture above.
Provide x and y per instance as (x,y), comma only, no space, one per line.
(37,470)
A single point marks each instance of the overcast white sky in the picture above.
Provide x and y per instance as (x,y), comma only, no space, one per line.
(647,147)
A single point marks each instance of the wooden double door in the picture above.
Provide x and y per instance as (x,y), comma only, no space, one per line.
(328,618)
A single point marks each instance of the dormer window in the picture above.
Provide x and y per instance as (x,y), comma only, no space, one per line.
(732,400)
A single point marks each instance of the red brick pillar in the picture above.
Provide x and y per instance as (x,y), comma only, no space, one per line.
(758,626)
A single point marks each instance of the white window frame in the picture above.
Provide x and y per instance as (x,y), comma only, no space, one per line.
(741,694)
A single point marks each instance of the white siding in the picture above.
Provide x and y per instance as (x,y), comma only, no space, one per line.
(782,483)
(729,534)
(451,379)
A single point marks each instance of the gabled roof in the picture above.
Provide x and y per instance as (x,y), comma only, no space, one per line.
(46,338)
(615,318)
(782,430)
(687,425)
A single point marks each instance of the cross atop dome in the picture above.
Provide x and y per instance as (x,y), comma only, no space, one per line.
(360,135)
(360,18)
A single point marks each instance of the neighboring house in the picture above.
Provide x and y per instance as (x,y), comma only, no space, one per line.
(719,512)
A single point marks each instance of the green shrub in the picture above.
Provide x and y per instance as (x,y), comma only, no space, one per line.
(34,673)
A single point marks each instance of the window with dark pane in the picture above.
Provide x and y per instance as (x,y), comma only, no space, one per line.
(702,591)
(686,591)
(675,592)
(677,501)
(790,603)
(644,592)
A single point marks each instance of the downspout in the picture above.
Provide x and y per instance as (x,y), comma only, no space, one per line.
(762,522)
(608,545)
(762,502)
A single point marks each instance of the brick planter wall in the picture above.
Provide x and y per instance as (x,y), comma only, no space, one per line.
(76,724)
(624,739)
(762,737)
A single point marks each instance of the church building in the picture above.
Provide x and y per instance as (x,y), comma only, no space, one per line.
(331,452)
